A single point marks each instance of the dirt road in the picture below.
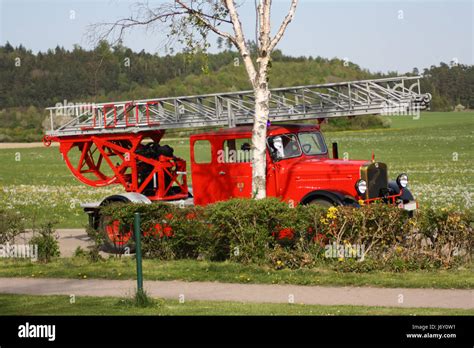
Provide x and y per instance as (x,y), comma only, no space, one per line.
(22,145)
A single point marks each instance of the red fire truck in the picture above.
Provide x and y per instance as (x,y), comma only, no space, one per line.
(299,169)
(121,143)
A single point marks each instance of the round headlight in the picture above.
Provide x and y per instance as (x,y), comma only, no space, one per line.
(361,186)
(402,180)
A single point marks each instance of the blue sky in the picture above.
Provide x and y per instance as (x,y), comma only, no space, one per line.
(377,35)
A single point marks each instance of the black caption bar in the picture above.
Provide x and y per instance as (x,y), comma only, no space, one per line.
(291,330)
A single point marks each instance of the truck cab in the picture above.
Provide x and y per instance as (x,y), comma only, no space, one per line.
(300,169)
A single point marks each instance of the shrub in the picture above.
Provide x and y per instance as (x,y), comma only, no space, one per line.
(366,122)
(268,231)
(79,252)
(442,235)
(48,246)
(247,229)
(11,225)
(191,234)
(168,232)
(94,252)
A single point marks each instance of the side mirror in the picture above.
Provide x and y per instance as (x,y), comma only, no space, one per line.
(335,152)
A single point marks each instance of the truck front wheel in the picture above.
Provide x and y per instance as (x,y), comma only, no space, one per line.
(321,202)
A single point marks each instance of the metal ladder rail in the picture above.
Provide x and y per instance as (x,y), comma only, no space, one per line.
(286,103)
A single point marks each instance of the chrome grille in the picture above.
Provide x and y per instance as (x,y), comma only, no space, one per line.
(375,174)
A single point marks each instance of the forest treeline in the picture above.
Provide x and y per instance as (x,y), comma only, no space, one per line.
(31,81)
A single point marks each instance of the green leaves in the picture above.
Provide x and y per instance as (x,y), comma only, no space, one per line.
(269,232)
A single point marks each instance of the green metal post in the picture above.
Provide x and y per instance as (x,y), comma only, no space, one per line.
(138,251)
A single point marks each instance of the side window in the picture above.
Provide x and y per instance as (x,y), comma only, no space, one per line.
(235,151)
(284,146)
(202,151)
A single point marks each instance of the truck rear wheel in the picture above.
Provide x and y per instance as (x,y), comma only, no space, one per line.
(118,239)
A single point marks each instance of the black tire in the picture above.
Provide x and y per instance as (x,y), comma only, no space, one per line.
(321,202)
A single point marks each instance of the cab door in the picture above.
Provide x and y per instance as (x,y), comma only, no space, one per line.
(272,177)
(206,174)
(234,167)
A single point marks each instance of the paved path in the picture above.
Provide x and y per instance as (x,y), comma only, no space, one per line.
(213,291)
(69,240)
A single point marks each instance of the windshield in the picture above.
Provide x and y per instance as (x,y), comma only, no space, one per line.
(312,143)
(291,145)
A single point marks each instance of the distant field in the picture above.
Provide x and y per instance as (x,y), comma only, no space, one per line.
(436,151)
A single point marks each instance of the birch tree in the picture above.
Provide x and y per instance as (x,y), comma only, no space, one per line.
(191,21)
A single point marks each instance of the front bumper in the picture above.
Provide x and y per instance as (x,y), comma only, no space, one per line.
(396,199)
(409,206)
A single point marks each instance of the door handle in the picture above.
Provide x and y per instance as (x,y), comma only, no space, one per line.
(221,173)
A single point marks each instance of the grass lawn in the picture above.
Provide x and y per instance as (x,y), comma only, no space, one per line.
(435,150)
(60,305)
(192,270)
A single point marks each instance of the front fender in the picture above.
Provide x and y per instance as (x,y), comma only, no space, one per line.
(337,198)
(395,190)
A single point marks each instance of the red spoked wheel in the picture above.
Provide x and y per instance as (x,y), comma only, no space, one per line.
(46,141)
(104,159)
(92,164)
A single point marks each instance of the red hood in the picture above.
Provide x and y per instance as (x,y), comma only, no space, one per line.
(324,166)
(306,174)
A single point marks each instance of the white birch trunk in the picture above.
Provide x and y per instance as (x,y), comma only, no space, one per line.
(258,76)
(259,136)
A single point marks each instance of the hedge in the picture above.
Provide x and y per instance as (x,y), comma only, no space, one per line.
(268,231)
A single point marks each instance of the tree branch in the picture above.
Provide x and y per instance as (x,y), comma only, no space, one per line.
(202,17)
(240,41)
(178,12)
(125,23)
(284,24)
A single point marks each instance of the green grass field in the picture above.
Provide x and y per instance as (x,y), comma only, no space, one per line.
(229,272)
(436,151)
(60,305)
